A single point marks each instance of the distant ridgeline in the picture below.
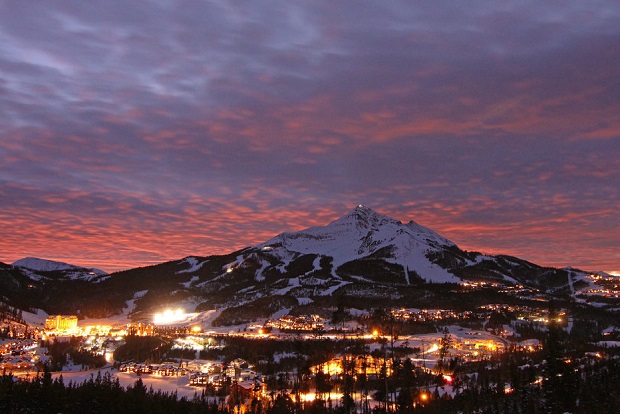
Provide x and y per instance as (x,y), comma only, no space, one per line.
(370,259)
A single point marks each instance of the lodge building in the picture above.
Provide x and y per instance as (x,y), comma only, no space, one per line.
(61,322)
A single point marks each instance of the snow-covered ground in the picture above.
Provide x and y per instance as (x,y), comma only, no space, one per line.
(35,319)
(194,265)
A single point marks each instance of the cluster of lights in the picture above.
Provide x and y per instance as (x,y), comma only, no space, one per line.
(169,316)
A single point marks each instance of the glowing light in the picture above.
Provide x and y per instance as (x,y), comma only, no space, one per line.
(109,357)
(433,348)
(424,396)
(307,397)
(196,329)
(169,316)
(447,378)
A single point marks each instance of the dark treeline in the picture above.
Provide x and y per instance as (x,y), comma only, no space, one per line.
(11,313)
(594,389)
(557,385)
(100,394)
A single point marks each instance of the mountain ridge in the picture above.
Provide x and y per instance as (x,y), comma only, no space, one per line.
(45,265)
(370,258)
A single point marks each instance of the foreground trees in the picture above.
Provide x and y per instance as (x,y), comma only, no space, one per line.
(100,394)
(502,387)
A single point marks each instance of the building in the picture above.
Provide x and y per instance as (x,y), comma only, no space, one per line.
(61,322)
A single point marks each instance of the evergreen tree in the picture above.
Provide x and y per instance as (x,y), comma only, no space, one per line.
(558,382)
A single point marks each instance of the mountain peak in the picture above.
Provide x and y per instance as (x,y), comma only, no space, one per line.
(43,265)
(363,234)
(34,263)
(365,218)
(362,210)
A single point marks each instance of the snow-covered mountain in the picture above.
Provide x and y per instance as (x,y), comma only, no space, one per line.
(39,268)
(362,233)
(362,254)
(368,258)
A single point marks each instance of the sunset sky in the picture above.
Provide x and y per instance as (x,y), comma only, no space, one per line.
(136,132)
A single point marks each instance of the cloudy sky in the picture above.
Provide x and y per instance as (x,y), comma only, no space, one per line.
(135,132)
